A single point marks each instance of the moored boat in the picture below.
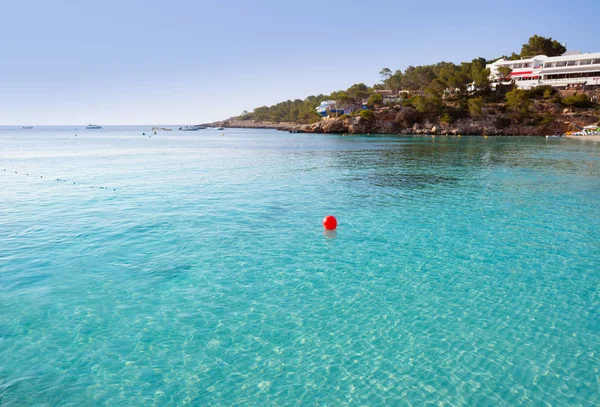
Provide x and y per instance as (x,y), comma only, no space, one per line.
(192,128)
(93,127)
(27,127)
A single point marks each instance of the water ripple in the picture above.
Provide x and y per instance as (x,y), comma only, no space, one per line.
(463,271)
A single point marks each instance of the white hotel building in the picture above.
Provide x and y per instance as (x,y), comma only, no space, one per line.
(566,71)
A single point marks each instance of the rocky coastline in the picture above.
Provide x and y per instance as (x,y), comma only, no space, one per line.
(548,118)
(234,122)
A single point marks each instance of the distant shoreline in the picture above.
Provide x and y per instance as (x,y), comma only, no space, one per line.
(277,126)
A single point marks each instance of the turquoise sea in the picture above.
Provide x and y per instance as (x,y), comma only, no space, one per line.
(192,268)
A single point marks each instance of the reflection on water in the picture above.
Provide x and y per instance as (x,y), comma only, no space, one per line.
(330,234)
(416,163)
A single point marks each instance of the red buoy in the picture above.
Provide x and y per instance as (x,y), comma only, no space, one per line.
(330,222)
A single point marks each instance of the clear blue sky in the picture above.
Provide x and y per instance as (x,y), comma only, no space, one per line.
(170,62)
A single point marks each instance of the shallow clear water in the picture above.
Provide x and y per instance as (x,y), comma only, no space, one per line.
(464,271)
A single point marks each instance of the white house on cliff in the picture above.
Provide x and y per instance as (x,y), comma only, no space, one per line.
(572,69)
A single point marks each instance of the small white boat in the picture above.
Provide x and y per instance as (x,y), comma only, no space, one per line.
(93,127)
(192,128)
(220,128)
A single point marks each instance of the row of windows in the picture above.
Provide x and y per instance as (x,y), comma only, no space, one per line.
(571,63)
(519,66)
(573,75)
(556,64)
(527,78)
(559,76)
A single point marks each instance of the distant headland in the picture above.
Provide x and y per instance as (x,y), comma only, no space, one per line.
(542,90)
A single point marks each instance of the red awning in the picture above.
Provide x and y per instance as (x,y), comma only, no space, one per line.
(521,73)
